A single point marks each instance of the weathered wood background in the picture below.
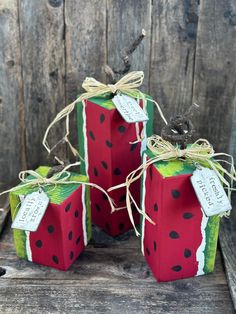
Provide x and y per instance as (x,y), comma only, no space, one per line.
(48,47)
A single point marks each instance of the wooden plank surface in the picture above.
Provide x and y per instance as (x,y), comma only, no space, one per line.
(10,92)
(43,67)
(228,247)
(111,276)
(85,39)
(174,31)
(125,21)
(215,68)
(4,211)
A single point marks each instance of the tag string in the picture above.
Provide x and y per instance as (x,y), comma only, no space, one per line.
(200,152)
(59,178)
(127,85)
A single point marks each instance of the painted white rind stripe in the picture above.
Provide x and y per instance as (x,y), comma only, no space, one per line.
(143,203)
(85,137)
(200,256)
(84,225)
(27,246)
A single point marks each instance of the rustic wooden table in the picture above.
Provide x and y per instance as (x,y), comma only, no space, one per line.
(111,276)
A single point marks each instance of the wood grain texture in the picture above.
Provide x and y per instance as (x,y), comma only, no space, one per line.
(42,44)
(4,211)
(10,92)
(174,32)
(215,68)
(111,276)
(125,21)
(85,37)
(228,247)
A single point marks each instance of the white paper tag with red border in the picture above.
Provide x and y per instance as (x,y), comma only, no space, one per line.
(210,192)
(31,212)
(129,108)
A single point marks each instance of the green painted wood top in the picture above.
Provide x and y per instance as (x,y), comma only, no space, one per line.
(105,101)
(172,167)
(58,193)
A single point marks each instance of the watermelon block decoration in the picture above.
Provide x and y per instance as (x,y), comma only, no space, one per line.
(64,229)
(108,157)
(183,241)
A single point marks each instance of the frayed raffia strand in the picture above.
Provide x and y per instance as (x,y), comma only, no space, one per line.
(200,152)
(128,85)
(57,179)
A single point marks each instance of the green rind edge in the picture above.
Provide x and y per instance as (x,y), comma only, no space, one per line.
(211,231)
(150,113)
(19,236)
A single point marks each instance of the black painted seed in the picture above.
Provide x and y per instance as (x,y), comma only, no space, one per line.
(98,208)
(187,253)
(122,198)
(117,172)
(95,171)
(71,255)
(78,240)
(107,226)
(50,229)
(175,193)
(102,118)
(176,268)
(133,146)
(155,245)
(76,214)
(39,243)
(121,129)
(104,164)
(108,143)
(150,173)
(92,135)
(104,196)
(121,226)
(147,251)
(55,259)
(2,271)
(67,207)
(55,3)
(155,207)
(70,235)
(187,215)
(174,235)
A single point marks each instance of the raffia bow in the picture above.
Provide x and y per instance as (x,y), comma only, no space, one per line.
(200,152)
(128,85)
(60,178)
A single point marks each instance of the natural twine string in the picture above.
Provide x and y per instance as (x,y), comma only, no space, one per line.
(200,152)
(60,178)
(127,85)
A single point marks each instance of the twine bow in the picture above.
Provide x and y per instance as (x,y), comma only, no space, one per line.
(59,178)
(200,152)
(128,85)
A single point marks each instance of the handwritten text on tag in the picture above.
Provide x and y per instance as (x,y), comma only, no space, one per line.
(31,212)
(129,108)
(210,192)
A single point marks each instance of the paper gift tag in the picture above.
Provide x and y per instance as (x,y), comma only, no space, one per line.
(209,191)
(129,109)
(31,212)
